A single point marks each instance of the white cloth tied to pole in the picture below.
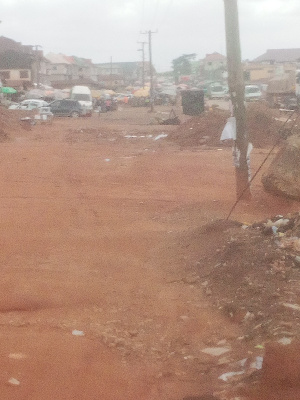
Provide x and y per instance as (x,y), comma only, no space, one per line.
(229,132)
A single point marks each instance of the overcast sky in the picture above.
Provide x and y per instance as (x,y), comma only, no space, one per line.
(101,29)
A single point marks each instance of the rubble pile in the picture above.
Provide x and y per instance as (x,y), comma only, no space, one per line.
(206,129)
(203,130)
(254,278)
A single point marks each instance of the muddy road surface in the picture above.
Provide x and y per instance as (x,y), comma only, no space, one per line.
(97,301)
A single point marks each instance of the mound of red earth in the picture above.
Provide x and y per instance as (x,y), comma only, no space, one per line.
(206,129)
(203,130)
(253,278)
(10,122)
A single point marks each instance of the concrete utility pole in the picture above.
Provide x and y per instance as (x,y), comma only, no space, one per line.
(151,69)
(143,58)
(237,95)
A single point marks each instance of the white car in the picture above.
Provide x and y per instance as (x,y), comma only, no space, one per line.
(29,104)
(252,93)
(216,92)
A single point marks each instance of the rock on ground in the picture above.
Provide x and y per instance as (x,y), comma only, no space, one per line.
(283,176)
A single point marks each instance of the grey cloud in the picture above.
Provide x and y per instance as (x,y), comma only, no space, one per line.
(99,29)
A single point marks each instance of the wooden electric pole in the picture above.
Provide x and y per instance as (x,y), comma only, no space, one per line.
(151,70)
(237,96)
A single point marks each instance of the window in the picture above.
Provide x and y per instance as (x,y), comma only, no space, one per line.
(5,74)
(247,75)
(81,97)
(24,74)
(252,89)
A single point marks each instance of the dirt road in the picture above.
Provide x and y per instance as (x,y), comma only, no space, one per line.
(96,299)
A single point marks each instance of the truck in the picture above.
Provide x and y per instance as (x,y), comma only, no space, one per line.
(83,95)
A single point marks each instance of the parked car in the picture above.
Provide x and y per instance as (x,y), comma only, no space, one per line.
(216,91)
(66,108)
(29,104)
(252,93)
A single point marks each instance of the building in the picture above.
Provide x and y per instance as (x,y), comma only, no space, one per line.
(272,64)
(24,66)
(62,70)
(214,66)
(17,63)
(262,73)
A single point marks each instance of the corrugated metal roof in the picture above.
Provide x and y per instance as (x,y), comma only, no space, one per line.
(279,55)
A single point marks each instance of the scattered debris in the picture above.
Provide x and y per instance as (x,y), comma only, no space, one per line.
(215,351)
(161,136)
(226,377)
(17,356)
(285,341)
(294,307)
(75,332)
(14,382)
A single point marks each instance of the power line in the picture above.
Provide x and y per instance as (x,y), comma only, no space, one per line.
(169,6)
(143,13)
(155,12)
(142,18)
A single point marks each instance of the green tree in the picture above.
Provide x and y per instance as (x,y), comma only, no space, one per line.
(182,65)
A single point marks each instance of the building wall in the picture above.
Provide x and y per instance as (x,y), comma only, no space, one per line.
(214,65)
(15,74)
(265,72)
